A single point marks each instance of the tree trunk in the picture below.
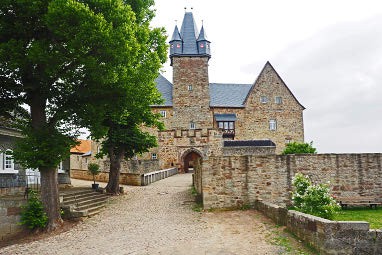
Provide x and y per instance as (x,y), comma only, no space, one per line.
(49,197)
(49,175)
(114,173)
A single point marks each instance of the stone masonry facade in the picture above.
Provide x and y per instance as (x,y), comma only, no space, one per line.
(264,110)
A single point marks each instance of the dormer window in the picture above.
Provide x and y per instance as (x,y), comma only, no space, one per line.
(189,87)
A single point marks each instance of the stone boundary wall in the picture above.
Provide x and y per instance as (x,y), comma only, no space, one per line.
(10,209)
(134,166)
(232,181)
(124,178)
(326,236)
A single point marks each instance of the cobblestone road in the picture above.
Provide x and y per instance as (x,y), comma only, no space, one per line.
(158,219)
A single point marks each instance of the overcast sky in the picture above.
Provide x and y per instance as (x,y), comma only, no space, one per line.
(329,53)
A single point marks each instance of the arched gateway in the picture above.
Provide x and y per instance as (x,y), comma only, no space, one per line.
(189,159)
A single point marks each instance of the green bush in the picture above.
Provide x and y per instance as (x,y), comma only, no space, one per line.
(33,215)
(299,148)
(314,199)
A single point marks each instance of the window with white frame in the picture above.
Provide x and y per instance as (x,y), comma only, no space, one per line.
(264,99)
(189,87)
(154,156)
(278,100)
(288,140)
(8,161)
(163,113)
(192,125)
(272,125)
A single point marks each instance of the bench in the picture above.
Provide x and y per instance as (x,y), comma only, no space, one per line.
(358,201)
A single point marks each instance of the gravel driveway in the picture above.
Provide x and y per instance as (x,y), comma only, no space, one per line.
(158,219)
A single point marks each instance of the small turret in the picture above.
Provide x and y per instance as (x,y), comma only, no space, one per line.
(176,43)
(203,43)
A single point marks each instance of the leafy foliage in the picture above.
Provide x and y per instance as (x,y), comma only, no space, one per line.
(73,63)
(93,169)
(33,214)
(313,199)
(299,148)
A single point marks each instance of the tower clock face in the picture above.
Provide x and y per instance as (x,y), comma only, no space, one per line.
(172,46)
(178,45)
(201,45)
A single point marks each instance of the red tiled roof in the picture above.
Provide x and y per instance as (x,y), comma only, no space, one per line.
(83,147)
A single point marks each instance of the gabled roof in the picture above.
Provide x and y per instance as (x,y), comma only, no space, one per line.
(228,95)
(188,33)
(84,147)
(165,89)
(268,64)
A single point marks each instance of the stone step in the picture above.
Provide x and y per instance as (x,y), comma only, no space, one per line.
(86,200)
(90,205)
(84,203)
(78,193)
(79,199)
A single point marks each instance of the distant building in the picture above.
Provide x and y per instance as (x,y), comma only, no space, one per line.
(194,109)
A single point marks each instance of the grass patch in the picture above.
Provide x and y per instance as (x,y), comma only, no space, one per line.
(373,216)
(290,244)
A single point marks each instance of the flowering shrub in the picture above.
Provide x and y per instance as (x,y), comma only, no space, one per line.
(314,199)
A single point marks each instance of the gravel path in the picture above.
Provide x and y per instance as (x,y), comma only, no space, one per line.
(158,219)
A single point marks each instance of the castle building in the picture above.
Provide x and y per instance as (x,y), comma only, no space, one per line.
(199,115)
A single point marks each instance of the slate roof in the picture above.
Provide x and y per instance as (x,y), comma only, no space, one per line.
(228,95)
(225,117)
(252,143)
(165,88)
(202,35)
(176,35)
(221,94)
(188,32)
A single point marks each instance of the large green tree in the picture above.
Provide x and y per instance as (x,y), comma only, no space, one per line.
(125,136)
(64,59)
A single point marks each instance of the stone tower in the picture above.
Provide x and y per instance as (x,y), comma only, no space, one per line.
(189,54)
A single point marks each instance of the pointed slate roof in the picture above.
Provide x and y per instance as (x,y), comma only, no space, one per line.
(176,35)
(202,35)
(189,34)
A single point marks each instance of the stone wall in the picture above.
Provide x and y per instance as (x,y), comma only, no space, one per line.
(288,114)
(231,181)
(124,178)
(191,105)
(327,237)
(175,144)
(10,216)
(248,150)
